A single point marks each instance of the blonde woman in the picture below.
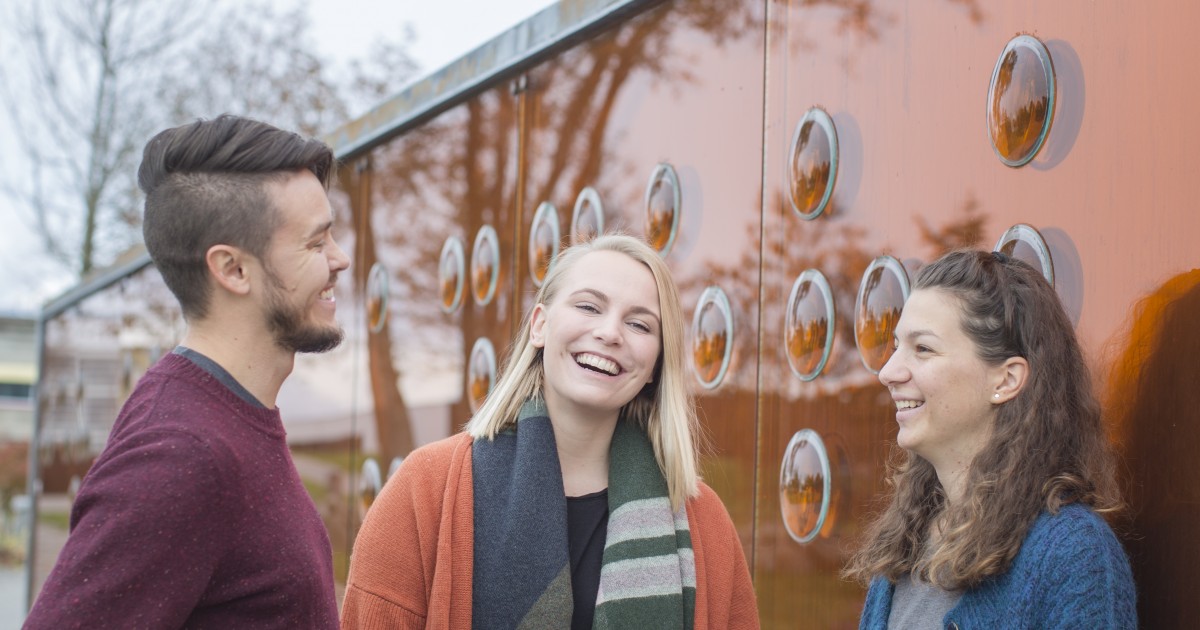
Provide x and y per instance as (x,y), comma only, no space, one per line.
(994,518)
(572,499)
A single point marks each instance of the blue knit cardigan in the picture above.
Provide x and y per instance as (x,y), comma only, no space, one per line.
(1071,572)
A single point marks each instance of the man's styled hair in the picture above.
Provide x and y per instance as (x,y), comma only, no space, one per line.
(663,408)
(1047,446)
(206,184)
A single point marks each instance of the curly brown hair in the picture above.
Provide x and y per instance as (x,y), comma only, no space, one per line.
(1047,446)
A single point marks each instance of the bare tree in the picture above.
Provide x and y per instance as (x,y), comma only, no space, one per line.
(76,95)
(90,81)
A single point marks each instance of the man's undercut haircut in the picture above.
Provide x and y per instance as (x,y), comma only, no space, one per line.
(206,184)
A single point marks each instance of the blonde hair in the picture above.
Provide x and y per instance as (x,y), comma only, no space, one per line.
(664,408)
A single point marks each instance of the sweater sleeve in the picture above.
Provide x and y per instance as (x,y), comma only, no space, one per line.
(724,586)
(1087,579)
(147,533)
(395,553)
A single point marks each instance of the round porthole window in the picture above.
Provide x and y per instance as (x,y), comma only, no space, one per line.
(481,372)
(712,337)
(377,297)
(812,164)
(808,325)
(1025,243)
(881,297)
(587,219)
(485,264)
(804,477)
(451,274)
(544,236)
(663,203)
(394,466)
(370,483)
(1021,100)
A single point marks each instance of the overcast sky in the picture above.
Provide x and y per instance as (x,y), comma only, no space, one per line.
(343,29)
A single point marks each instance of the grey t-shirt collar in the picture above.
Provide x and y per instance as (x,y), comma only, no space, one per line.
(219,373)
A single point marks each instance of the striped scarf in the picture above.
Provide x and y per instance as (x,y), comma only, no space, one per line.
(522,572)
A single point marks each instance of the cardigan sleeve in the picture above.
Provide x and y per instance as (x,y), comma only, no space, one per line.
(725,595)
(394,563)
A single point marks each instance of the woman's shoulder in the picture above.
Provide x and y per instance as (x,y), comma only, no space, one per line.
(437,454)
(707,510)
(1075,534)
(428,469)
(1072,522)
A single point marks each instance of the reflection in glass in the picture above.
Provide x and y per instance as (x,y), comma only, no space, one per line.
(804,486)
(808,325)
(663,204)
(377,297)
(587,220)
(1025,243)
(881,297)
(481,372)
(1021,100)
(812,163)
(451,274)
(544,235)
(485,264)
(712,337)
(370,482)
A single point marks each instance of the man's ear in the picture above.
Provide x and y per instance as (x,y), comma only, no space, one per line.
(227,265)
(1011,377)
(537,326)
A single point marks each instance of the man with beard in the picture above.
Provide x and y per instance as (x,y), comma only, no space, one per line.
(194,515)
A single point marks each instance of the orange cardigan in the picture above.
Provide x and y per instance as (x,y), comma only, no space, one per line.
(412,560)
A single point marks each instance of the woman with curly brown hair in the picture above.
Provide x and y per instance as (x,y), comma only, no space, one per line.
(1004,468)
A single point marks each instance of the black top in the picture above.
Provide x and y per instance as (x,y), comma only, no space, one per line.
(587,529)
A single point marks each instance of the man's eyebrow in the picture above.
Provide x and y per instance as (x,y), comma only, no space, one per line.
(321,229)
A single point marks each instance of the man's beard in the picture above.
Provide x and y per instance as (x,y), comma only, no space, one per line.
(287,324)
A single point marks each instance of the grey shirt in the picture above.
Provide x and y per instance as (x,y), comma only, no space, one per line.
(918,604)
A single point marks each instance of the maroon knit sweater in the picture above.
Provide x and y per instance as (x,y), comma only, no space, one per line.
(193,516)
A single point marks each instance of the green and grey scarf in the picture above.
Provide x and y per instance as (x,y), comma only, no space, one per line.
(522,572)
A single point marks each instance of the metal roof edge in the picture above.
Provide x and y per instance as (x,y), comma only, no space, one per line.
(556,26)
(93,285)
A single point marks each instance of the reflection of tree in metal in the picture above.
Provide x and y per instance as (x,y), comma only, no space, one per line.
(808,334)
(451,273)
(587,219)
(481,372)
(711,344)
(1020,100)
(377,297)
(1026,244)
(804,486)
(663,204)
(544,239)
(370,482)
(964,233)
(485,263)
(877,311)
(812,163)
